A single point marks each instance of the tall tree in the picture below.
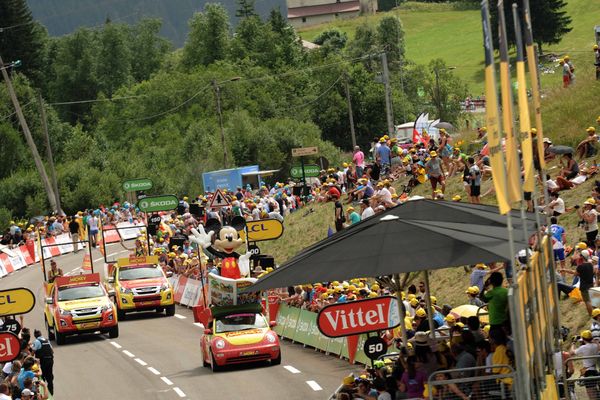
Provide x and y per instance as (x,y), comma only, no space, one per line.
(75,74)
(245,9)
(21,38)
(390,36)
(549,21)
(208,40)
(114,58)
(148,47)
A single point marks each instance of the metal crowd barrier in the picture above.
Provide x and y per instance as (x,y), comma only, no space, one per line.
(476,383)
(577,386)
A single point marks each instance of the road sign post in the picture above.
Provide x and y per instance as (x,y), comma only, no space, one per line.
(301,152)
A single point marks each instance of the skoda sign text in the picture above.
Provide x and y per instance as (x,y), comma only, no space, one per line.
(158,203)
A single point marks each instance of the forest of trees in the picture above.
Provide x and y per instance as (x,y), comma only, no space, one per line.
(122,103)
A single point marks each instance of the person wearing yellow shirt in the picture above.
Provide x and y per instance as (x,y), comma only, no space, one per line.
(500,355)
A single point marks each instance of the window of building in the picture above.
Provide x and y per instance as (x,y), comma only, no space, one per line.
(303,19)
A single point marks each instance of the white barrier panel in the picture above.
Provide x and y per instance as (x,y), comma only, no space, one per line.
(127,234)
(17,261)
(192,287)
(66,243)
(2,269)
(26,256)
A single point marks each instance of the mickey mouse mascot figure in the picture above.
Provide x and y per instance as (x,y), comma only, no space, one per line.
(227,241)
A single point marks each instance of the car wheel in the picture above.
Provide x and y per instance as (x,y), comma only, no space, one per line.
(276,361)
(113,333)
(213,365)
(60,338)
(170,310)
(159,310)
(205,363)
(50,332)
(120,315)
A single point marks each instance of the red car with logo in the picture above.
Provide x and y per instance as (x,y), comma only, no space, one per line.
(240,334)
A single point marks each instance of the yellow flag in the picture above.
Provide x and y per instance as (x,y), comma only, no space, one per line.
(491,115)
(535,86)
(524,124)
(513,167)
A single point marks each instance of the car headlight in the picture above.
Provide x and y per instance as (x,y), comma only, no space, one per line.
(219,343)
(106,308)
(164,287)
(271,337)
(64,312)
(125,290)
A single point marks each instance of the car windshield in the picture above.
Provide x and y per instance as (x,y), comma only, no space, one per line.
(79,292)
(240,322)
(129,274)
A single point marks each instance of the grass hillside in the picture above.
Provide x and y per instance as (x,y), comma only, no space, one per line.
(454,34)
(565,113)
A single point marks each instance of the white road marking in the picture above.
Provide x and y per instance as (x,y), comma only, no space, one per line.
(141,362)
(117,345)
(179,392)
(314,386)
(291,369)
(154,371)
(99,259)
(166,380)
(73,272)
(180,316)
(128,353)
(199,324)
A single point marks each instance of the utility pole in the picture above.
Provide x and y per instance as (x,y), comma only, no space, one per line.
(49,155)
(350,116)
(438,101)
(36,156)
(388,94)
(220,115)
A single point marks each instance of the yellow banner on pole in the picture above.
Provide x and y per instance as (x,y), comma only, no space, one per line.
(535,85)
(524,123)
(491,115)
(513,166)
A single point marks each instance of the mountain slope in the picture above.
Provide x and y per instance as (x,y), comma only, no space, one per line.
(64,16)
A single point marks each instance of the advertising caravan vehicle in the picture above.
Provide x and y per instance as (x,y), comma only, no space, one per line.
(140,284)
(79,304)
(237,331)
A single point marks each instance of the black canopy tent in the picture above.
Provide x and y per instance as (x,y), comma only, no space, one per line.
(393,242)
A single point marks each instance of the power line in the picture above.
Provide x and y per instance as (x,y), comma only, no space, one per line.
(62,103)
(318,97)
(4,118)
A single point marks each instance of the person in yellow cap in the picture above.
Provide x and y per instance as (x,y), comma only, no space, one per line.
(566,73)
(597,63)
(457,198)
(473,296)
(587,348)
(435,171)
(589,215)
(353,216)
(587,147)
(595,326)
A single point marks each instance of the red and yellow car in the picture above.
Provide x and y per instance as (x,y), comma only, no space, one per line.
(79,304)
(140,284)
(239,335)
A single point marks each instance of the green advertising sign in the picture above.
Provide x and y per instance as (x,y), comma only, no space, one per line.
(303,327)
(310,171)
(290,327)
(158,203)
(135,185)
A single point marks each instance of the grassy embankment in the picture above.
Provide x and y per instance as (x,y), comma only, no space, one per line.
(453,33)
(566,114)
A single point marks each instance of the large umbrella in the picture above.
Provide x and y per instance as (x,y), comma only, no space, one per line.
(388,245)
(468,310)
(444,211)
(445,125)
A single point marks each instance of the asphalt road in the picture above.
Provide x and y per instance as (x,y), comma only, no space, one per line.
(158,357)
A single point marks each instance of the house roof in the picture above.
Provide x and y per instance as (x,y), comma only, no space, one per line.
(322,9)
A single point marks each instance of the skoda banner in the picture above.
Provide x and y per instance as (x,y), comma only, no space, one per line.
(158,203)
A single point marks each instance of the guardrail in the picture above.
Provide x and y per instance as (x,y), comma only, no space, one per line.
(473,383)
(584,386)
